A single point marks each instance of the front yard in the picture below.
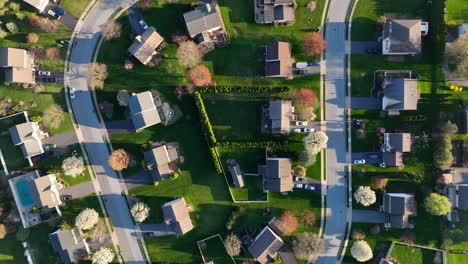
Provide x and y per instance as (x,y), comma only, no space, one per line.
(409,254)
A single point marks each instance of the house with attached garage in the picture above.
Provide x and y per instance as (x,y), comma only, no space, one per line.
(274,11)
(162,162)
(40,5)
(277,116)
(69,245)
(143,111)
(19,65)
(400,95)
(204,21)
(28,137)
(393,147)
(277,176)
(278,61)
(176,214)
(398,207)
(403,36)
(266,245)
(457,190)
(147,45)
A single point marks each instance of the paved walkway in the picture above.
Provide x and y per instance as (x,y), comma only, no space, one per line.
(368,216)
(78,191)
(366,103)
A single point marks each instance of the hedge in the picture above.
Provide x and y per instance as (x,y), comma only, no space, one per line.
(248,144)
(243,89)
(205,121)
(216,162)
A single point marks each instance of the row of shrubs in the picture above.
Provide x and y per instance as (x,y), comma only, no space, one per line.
(216,162)
(248,144)
(233,217)
(205,121)
(243,89)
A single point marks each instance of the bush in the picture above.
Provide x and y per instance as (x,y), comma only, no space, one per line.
(3,33)
(216,162)
(233,245)
(233,217)
(43,23)
(32,38)
(247,144)
(299,171)
(12,27)
(19,16)
(358,234)
(199,75)
(206,125)
(35,119)
(52,53)
(308,217)
(244,89)
(375,230)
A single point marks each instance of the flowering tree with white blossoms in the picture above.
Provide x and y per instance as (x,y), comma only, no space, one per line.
(140,211)
(103,256)
(87,219)
(73,166)
(365,196)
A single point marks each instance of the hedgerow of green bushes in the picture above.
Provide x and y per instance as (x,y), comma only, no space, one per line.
(216,162)
(205,121)
(243,89)
(247,144)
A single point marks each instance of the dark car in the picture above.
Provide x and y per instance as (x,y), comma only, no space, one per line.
(59,10)
(66,197)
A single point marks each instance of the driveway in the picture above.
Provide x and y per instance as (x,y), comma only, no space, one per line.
(369,157)
(80,190)
(139,179)
(361,47)
(368,216)
(68,20)
(157,230)
(62,141)
(287,255)
(55,77)
(134,16)
(366,103)
(119,126)
(311,124)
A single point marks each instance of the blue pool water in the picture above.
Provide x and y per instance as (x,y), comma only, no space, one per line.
(22,186)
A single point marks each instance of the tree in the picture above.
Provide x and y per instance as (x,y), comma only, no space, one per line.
(43,23)
(12,27)
(145,4)
(87,219)
(15,7)
(73,166)
(299,171)
(456,55)
(122,97)
(448,129)
(119,160)
(103,256)
(364,195)
(233,245)
(436,204)
(3,33)
(442,154)
(97,75)
(379,182)
(189,54)
(111,30)
(199,75)
(287,222)
(306,97)
(52,53)
(140,211)
(361,251)
(53,116)
(358,234)
(307,246)
(308,217)
(313,43)
(382,20)
(374,229)
(32,38)
(314,142)
(3,231)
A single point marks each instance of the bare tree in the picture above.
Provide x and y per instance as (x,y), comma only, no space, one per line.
(119,160)
(307,246)
(97,75)
(364,195)
(53,116)
(111,30)
(140,211)
(73,166)
(457,55)
(199,75)
(122,97)
(361,251)
(32,38)
(52,53)
(103,256)
(87,219)
(287,222)
(313,43)
(189,54)
(232,245)
(308,217)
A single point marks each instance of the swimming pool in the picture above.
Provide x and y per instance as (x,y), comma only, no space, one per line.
(22,186)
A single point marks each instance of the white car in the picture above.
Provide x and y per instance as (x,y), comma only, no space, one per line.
(307,130)
(309,187)
(43,73)
(299,179)
(301,123)
(361,161)
(52,13)
(143,24)
(298,185)
(296,130)
(72,92)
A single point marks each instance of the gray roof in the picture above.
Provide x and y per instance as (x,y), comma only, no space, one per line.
(398,206)
(277,11)
(458,195)
(393,159)
(27,136)
(284,13)
(143,110)
(265,245)
(158,161)
(278,61)
(398,142)
(18,64)
(144,46)
(70,246)
(237,175)
(203,18)
(400,94)
(278,176)
(404,34)
(280,116)
(177,215)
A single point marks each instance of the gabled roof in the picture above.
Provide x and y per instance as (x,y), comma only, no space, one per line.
(69,244)
(280,116)
(46,187)
(144,46)
(458,195)
(19,65)
(399,206)
(398,142)
(284,13)
(278,176)
(400,94)
(158,159)
(203,18)
(393,159)
(278,60)
(38,4)
(176,214)
(27,136)
(236,173)
(266,245)
(404,34)
(143,110)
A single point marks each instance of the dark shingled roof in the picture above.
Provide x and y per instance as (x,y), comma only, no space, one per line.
(398,206)
(278,176)
(70,246)
(400,94)
(265,245)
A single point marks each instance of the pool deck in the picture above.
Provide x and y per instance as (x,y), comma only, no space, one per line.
(27,218)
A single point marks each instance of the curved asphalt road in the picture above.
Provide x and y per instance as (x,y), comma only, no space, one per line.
(335,97)
(93,131)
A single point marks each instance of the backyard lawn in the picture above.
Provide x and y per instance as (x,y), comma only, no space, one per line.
(456,12)
(213,250)
(408,254)
(457,239)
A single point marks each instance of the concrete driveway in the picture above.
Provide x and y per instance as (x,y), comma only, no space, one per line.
(139,179)
(134,16)
(62,141)
(366,103)
(370,157)
(368,216)
(157,230)
(361,47)
(77,191)
(68,20)
(119,126)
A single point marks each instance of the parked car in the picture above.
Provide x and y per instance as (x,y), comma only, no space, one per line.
(309,187)
(36,158)
(296,130)
(299,179)
(298,185)
(71,90)
(307,130)
(43,73)
(143,24)
(59,10)
(66,197)
(301,123)
(50,147)
(52,13)
(360,161)
(314,63)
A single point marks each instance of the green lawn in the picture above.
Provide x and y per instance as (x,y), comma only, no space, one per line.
(253,190)
(75,7)
(408,254)
(12,154)
(213,250)
(11,251)
(456,12)
(457,239)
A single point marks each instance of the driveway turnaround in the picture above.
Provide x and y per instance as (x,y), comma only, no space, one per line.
(335,96)
(93,131)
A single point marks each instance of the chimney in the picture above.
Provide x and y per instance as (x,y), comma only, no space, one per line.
(138,38)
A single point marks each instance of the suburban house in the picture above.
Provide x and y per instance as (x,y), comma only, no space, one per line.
(162,162)
(274,11)
(278,115)
(265,245)
(236,173)
(176,214)
(277,176)
(28,137)
(203,22)
(143,111)
(35,195)
(398,207)
(69,245)
(457,190)
(278,61)
(400,94)
(403,36)
(40,5)
(18,64)
(393,147)
(147,45)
